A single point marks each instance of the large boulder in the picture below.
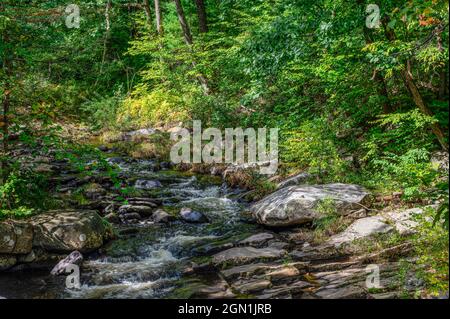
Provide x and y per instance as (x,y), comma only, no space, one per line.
(16,237)
(296,205)
(66,231)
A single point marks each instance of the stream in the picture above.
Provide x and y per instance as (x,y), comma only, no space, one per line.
(148,259)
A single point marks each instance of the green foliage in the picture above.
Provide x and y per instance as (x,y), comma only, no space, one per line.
(411,172)
(432,247)
(22,189)
(329,215)
(17,213)
(312,146)
(397,133)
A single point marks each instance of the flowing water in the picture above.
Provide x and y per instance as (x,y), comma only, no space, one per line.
(148,259)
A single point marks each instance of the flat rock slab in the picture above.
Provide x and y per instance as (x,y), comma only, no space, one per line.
(252,286)
(404,221)
(243,255)
(296,205)
(257,239)
(361,228)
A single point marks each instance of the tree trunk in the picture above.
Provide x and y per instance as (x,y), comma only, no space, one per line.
(420,103)
(107,34)
(159,22)
(183,23)
(148,14)
(202,17)
(189,41)
(414,91)
(443,73)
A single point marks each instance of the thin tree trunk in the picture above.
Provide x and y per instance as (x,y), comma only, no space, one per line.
(189,41)
(183,23)
(443,73)
(159,22)
(414,91)
(148,13)
(202,17)
(107,34)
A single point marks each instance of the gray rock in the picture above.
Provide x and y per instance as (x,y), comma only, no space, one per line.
(111,208)
(243,255)
(245,270)
(143,211)
(191,216)
(350,292)
(160,216)
(141,132)
(252,286)
(16,237)
(300,178)
(94,191)
(112,218)
(404,221)
(256,240)
(147,184)
(295,205)
(283,273)
(130,217)
(440,160)
(66,231)
(75,258)
(361,228)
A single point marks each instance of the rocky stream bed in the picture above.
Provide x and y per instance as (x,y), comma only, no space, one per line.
(181,235)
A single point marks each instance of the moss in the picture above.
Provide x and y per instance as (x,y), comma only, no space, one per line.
(172,211)
(207,180)
(201,260)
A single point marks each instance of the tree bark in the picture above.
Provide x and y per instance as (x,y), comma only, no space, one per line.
(183,23)
(148,13)
(159,22)
(414,91)
(443,73)
(190,41)
(202,17)
(107,34)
